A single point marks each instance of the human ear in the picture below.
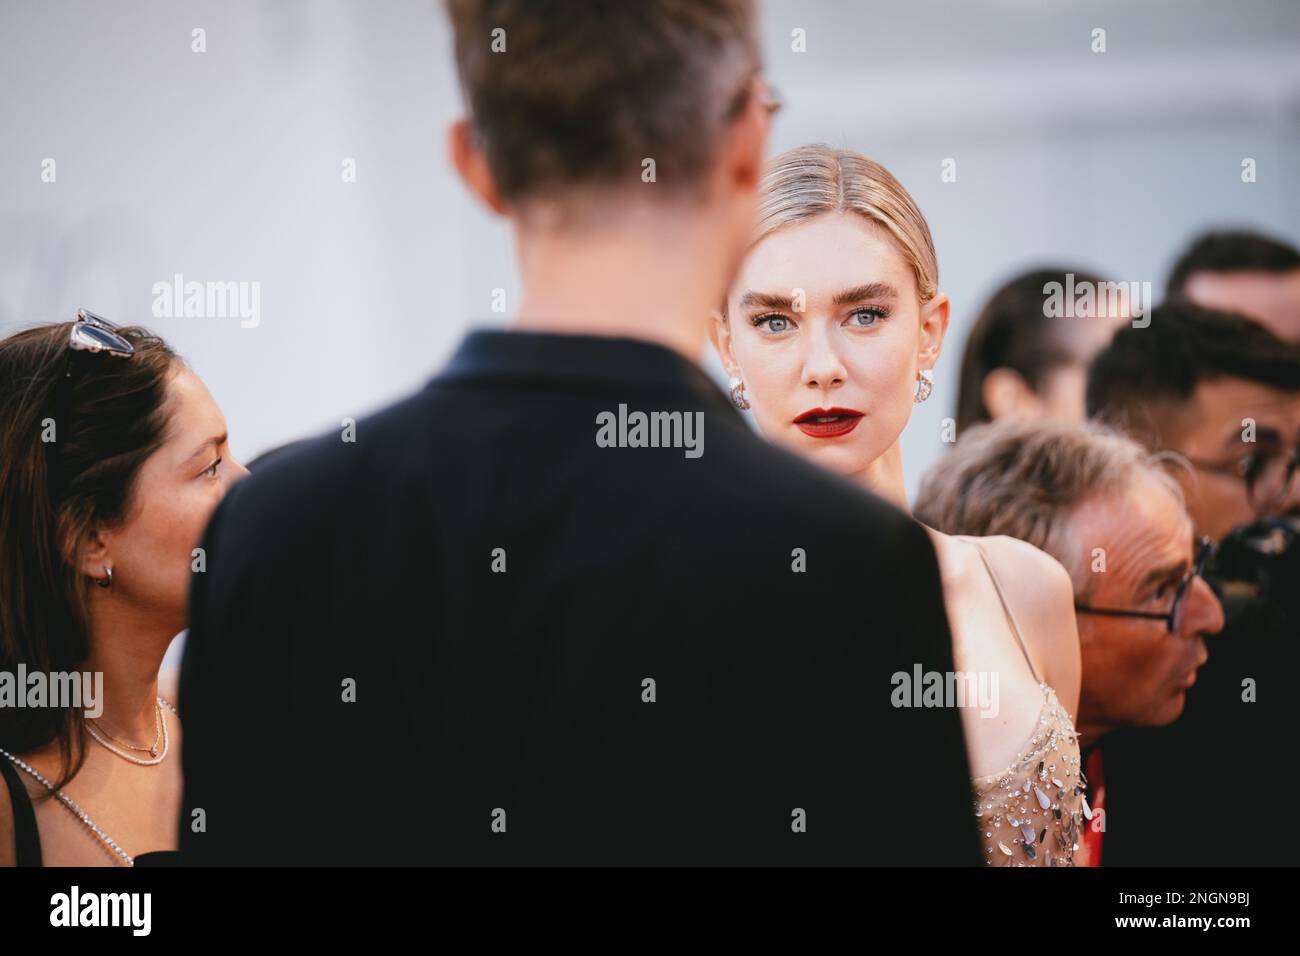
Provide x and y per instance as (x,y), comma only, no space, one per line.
(1006,394)
(934,326)
(745,143)
(471,164)
(720,336)
(94,554)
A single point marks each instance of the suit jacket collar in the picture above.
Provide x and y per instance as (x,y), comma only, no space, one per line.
(545,357)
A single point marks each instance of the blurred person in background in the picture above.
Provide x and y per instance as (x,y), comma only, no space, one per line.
(1222,393)
(1021,361)
(1244,272)
(1113,516)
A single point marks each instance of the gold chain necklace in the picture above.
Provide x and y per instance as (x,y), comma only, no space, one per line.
(157,723)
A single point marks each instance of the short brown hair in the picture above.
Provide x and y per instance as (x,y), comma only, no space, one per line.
(1025,478)
(1231,251)
(586,89)
(1144,380)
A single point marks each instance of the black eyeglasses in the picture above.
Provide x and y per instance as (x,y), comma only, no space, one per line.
(92,334)
(1173,618)
(1267,474)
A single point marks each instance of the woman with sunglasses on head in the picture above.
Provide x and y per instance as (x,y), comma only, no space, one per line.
(829,332)
(112,458)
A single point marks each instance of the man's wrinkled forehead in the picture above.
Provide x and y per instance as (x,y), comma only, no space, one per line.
(1130,535)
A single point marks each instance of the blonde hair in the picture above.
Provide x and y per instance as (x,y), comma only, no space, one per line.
(807,181)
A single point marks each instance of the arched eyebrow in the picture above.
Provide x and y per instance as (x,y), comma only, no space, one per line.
(215,442)
(860,293)
(765,300)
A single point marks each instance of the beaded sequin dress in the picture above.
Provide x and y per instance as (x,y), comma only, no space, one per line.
(1033,812)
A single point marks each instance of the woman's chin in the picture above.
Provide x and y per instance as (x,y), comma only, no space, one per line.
(839,458)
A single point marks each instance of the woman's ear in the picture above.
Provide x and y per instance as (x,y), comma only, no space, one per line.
(934,326)
(720,336)
(94,554)
(1006,394)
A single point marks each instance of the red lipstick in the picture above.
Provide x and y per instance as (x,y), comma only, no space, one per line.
(828,422)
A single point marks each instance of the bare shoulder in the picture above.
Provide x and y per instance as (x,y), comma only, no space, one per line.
(1037,585)
(1041,596)
(169,685)
(1022,559)
(8,853)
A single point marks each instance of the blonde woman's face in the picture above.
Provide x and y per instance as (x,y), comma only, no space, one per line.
(826,331)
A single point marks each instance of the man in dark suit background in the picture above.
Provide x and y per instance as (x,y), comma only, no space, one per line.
(513,621)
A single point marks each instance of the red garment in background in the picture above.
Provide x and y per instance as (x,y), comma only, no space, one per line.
(1091,842)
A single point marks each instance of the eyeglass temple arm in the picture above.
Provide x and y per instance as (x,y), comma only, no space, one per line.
(1116,612)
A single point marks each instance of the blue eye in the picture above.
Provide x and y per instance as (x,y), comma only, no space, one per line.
(873,317)
(774,323)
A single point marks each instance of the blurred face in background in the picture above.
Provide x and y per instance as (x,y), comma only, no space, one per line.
(1211,431)
(1135,671)
(1061,391)
(1270,298)
(832,377)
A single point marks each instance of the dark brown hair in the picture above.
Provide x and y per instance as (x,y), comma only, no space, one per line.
(1013,332)
(587,89)
(1147,375)
(1239,251)
(110,419)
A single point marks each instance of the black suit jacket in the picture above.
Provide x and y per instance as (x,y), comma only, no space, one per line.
(1160,781)
(648,680)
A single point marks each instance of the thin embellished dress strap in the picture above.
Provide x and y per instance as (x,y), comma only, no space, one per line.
(27,839)
(1011,618)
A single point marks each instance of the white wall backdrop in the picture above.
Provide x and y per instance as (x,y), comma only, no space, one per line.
(226,165)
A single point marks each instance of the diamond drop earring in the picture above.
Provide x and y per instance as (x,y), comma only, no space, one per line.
(924,385)
(738,393)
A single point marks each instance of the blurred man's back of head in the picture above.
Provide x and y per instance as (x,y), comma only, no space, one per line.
(625,142)
(571,98)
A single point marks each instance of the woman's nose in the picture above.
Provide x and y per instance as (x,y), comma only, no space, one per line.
(237,470)
(823,367)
